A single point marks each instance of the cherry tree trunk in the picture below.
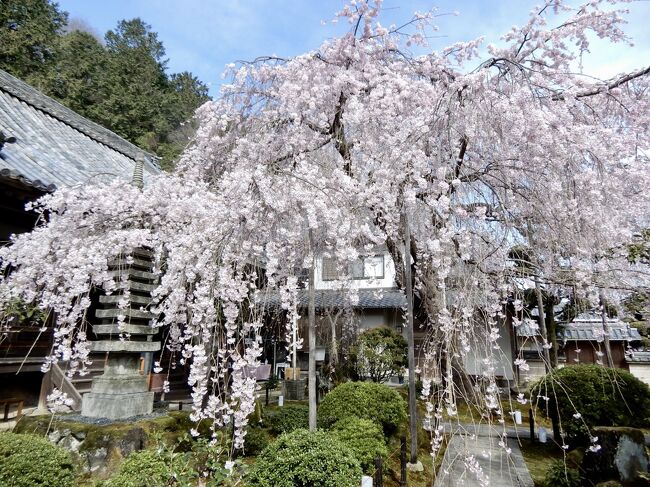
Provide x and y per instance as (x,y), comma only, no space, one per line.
(603,316)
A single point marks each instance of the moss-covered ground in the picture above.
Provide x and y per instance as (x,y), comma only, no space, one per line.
(539,457)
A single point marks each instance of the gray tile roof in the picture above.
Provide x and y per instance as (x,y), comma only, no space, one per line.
(639,357)
(593,332)
(331,298)
(57,147)
(584,329)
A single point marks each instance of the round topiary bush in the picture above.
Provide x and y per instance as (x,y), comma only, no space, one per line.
(560,475)
(29,461)
(591,395)
(364,437)
(365,400)
(288,418)
(145,468)
(306,458)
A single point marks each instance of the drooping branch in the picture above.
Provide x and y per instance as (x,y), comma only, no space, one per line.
(605,87)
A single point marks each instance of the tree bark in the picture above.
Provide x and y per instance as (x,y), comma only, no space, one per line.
(334,348)
(413,421)
(553,412)
(603,317)
(312,337)
(551,330)
(542,326)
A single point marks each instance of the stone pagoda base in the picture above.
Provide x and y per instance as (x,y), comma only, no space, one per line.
(117,406)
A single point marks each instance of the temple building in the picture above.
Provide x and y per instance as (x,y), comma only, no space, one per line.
(45,146)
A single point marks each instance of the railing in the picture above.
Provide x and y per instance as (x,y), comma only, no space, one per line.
(59,379)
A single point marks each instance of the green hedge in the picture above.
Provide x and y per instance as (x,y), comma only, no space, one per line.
(255,441)
(591,395)
(302,458)
(146,468)
(288,418)
(365,400)
(364,437)
(32,461)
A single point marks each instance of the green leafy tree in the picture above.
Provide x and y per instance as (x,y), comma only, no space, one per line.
(137,98)
(122,85)
(186,95)
(74,79)
(29,30)
(134,85)
(379,354)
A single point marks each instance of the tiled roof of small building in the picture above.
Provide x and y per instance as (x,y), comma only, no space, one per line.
(56,147)
(619,332)
(337,299)
(639,357)
(587,326)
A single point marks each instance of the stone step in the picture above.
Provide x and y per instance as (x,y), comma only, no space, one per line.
(124,346)
(130,329)
(133,298)
(128,312)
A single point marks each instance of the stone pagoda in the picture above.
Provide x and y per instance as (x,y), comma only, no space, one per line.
(122,391)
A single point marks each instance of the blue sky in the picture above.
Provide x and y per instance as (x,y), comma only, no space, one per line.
(203,36)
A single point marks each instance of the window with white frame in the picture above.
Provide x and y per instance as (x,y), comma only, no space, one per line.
(367,267)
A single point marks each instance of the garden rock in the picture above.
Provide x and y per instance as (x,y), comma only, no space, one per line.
(622,455)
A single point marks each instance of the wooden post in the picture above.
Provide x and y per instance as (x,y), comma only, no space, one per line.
(531,422)
(402,461)
(267,395)
(413,421)
(379,477)
(46,386)
(312,335)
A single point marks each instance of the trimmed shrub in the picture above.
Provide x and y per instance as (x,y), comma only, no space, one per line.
(364,437)
(288,418)
(146,468)
(255,441)
(560,475)
(365,400)
(28,461)
(592,395)
(306,458)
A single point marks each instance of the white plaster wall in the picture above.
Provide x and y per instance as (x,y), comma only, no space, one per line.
(537,370)
(387,282)
(640,371)
(474,360)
